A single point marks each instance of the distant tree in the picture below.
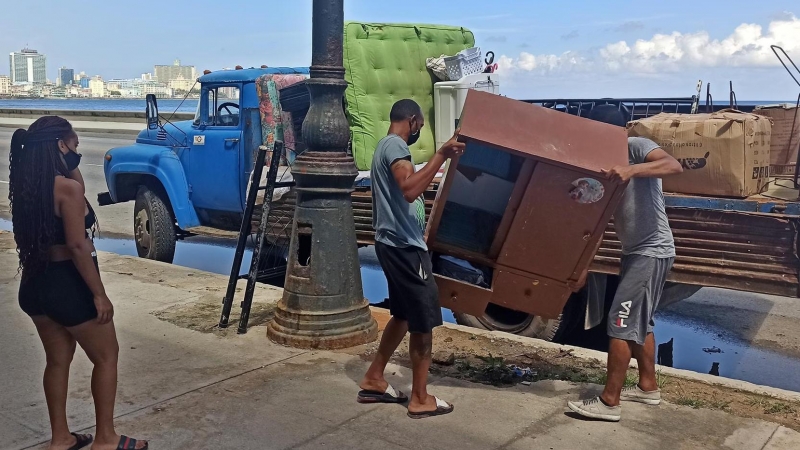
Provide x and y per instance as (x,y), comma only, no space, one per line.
(184,92)
(115,93)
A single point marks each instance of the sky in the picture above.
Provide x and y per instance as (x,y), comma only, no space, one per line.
(546,49)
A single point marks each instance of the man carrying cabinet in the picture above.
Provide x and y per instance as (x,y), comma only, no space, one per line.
(399,222)
(648,251)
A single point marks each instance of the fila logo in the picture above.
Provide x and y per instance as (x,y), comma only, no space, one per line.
(624,314)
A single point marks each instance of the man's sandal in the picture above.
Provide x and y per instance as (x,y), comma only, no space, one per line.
(442,408)
(391,395)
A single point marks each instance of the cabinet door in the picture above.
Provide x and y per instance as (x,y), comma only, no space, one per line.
(476,194)
(559,216)
(530,293)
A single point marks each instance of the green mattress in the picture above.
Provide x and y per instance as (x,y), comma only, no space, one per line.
(385,63)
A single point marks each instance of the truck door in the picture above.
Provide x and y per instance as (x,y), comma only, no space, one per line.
(212,163)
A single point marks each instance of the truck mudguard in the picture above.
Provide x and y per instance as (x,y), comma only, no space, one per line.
(163,164)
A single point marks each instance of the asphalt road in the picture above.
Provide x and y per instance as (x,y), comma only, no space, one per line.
(762,320)
(115,220)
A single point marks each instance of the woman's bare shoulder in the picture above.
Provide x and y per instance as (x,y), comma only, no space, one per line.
(67,188)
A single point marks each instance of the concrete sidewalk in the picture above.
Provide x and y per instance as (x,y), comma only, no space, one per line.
(185,389)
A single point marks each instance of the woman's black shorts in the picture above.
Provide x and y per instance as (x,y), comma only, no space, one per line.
(60,294)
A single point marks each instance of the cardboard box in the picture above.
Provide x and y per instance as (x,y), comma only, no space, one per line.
(726,153)
(785,140)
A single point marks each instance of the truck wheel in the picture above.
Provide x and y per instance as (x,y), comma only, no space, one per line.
(499,318)
(153,226)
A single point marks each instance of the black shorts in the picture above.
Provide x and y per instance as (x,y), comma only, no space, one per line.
(60,294)
(413,295)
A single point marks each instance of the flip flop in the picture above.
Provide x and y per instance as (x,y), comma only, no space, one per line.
(81,440)
(442,408)
(126,443)
(391,395)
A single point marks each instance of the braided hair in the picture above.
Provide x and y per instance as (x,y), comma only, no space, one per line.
(35,161)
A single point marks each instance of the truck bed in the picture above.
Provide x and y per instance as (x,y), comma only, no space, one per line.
(743,244)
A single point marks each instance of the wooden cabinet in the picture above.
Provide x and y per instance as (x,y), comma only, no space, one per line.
(527,202)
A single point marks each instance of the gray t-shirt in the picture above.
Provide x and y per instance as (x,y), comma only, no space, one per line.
(640,219)
(397,223)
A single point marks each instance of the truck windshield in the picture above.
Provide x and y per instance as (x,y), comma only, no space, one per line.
(223,106)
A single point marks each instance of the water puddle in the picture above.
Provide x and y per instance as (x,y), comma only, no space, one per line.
(701,348)
(736,359)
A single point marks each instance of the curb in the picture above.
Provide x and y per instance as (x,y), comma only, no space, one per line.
(580,352)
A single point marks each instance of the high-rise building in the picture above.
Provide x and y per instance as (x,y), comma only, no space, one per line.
(165,74)
(27,66)
(5,85)
(66,77)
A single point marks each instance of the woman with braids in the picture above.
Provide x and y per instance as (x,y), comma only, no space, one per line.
(60,287)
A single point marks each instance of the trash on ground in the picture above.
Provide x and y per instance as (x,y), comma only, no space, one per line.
(521,372)
(712,350)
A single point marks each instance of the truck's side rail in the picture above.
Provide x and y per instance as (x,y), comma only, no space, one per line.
(724,248)
(746,245)
(635,108)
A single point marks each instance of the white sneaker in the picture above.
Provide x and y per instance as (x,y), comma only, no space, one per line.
(593,408)
(636,394)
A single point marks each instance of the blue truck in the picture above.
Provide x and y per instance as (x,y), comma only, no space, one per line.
(189,177)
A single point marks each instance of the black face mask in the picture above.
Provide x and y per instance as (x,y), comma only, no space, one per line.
(72,159)
(413,138)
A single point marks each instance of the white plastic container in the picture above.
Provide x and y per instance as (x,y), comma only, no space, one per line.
(464,63)
(449,97)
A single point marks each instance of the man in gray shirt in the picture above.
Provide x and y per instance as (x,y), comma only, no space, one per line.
(648,251)
(399,222)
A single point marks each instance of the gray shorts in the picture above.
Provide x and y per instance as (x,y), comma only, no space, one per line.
(640,286)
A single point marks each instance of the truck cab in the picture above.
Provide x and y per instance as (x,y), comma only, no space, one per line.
(187,175)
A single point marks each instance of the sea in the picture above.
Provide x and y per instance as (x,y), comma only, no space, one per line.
(78,104)
(187,106)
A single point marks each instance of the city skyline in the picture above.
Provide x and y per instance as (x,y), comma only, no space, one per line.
(28,79)
(171,70)
(543,49)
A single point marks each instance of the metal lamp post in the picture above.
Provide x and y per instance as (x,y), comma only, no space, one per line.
(323,305)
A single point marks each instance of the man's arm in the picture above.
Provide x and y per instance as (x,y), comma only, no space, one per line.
(413,184)
(658,164)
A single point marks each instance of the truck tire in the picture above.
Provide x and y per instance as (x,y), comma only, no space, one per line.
(154,226)
(498,318)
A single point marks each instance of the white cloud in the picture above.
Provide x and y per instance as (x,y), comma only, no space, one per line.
(527,62)
(747,46)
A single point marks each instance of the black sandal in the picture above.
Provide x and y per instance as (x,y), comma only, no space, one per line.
(81,440)
(391,395)
(442,408)
(126,443)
